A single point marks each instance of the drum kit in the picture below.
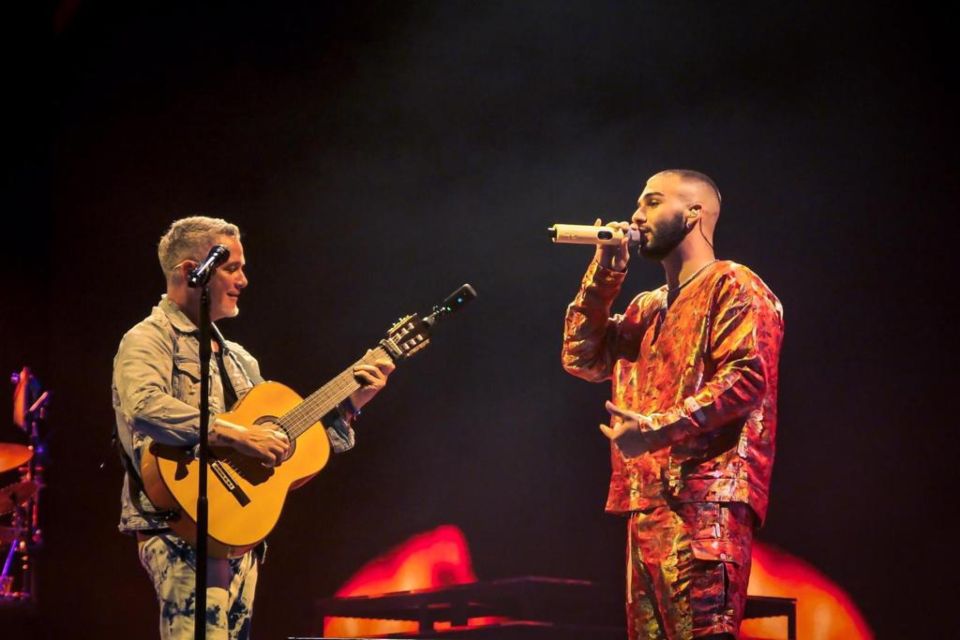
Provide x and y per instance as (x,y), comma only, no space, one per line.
(21,479)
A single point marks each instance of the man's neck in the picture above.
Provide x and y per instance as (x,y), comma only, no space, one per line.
(184,306)
(683,262)
(182,299)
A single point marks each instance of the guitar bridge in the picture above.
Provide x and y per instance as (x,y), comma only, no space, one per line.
(229,484)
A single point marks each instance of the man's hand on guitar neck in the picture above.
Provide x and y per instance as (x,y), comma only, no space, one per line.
(261,441)
(372,378)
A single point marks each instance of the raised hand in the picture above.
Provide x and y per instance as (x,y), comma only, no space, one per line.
(614,256)
(633,433)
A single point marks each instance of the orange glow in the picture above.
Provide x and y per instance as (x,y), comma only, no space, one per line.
(437,558)
(824,611)
(441,557)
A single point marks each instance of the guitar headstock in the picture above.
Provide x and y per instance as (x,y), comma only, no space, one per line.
(408,336)
(412,333)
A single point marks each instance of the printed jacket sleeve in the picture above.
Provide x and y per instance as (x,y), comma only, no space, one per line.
(589,333)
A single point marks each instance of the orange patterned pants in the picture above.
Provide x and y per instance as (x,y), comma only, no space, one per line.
(687,570)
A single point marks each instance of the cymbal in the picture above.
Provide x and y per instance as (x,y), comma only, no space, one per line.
(13,455)
(16,494)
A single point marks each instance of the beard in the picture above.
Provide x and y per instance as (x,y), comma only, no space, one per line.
(663,239)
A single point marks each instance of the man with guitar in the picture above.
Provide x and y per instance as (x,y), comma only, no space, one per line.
(693,366)
(156,395)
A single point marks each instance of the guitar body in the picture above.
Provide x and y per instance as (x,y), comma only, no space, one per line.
(244,497)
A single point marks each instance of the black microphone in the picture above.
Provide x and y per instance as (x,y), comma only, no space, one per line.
(199,276)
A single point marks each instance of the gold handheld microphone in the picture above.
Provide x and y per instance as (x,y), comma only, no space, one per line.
(589,234)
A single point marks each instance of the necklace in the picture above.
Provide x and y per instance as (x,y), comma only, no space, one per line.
(687,281)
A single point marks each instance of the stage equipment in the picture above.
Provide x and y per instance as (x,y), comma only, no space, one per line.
(13,455)
(521,608)
(20,499)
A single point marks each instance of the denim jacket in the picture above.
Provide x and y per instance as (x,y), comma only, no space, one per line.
(156,395)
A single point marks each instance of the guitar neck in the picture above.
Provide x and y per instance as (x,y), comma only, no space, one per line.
(326,398)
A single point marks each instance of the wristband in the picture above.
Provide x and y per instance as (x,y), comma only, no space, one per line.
(349,408)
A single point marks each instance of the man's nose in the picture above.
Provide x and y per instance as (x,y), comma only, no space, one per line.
(638,216)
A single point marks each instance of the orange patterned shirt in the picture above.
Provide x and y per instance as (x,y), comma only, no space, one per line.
(703,366)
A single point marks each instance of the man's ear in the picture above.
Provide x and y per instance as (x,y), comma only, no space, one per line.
(182,270)
(693,214)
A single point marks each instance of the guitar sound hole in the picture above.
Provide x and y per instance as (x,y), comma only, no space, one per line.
(274,423)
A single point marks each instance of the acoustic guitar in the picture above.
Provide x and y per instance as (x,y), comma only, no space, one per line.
(244,497)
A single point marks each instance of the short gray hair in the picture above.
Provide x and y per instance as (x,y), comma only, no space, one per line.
(189,238)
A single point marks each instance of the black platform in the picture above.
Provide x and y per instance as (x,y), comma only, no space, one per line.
(530,608)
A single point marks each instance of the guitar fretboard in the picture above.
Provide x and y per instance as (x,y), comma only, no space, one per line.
(318,404)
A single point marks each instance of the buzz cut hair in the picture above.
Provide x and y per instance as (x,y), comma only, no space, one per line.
(188,238)
(690,174)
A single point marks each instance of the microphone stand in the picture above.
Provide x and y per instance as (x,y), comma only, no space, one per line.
(200,617)
(200,278)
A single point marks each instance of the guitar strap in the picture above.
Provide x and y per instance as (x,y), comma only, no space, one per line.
(229,394)
(252,376)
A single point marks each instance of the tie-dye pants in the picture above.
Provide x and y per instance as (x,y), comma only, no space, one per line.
(171,564)
(687,570)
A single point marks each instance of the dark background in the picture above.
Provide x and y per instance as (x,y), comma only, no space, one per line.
(378,154)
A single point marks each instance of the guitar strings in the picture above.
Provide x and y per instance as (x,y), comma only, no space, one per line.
(303,416)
